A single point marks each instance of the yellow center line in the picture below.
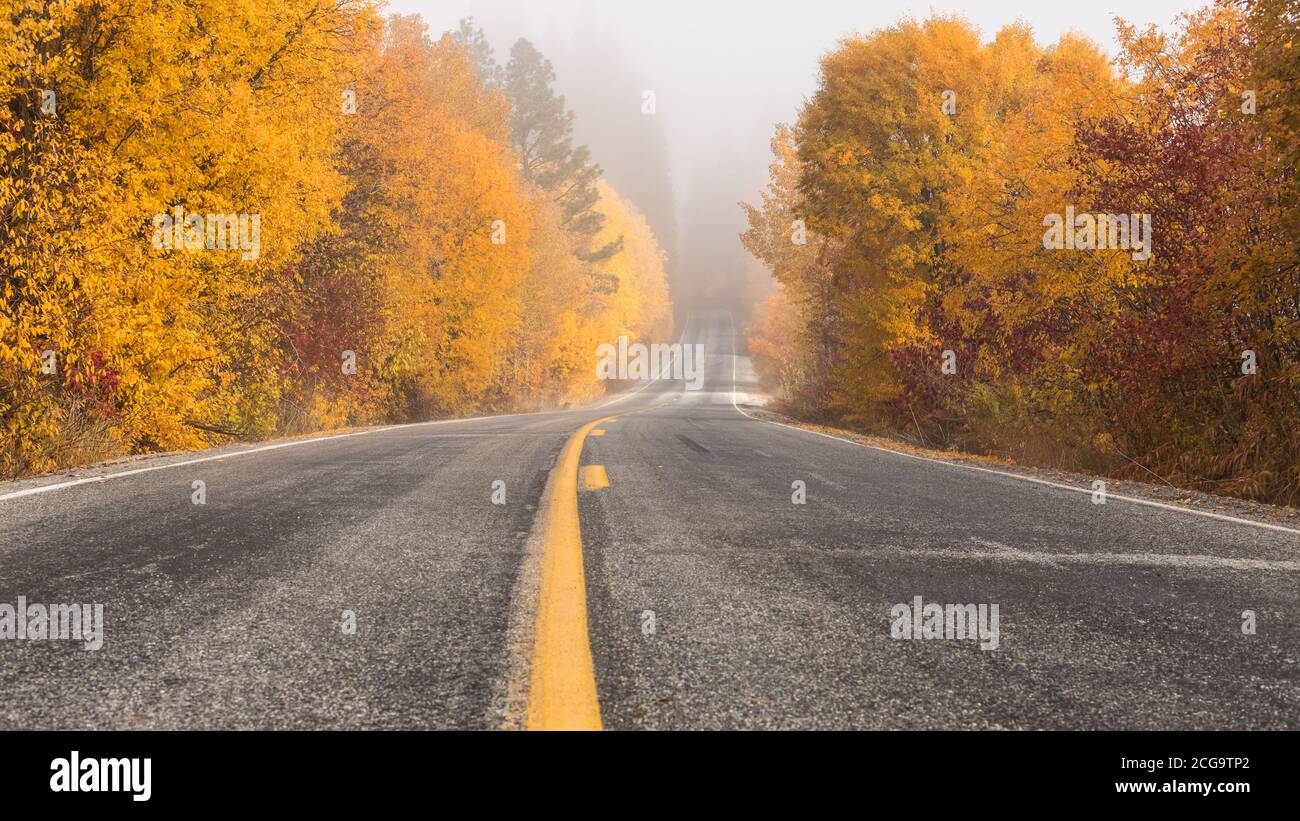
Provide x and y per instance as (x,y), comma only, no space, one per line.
(562,689)
(594,477)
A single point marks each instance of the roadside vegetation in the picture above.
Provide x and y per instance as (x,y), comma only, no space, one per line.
(244,219)
(930,285)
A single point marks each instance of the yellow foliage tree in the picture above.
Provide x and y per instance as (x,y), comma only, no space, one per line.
(238,219)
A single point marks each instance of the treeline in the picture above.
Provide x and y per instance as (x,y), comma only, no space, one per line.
(247,218)
(944,221)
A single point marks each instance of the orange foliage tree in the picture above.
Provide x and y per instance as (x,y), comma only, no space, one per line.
(356,239)
(936,165)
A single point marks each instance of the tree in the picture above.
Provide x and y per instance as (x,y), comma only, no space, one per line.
(801,317)
(931,162)
(475,42)
(154,110)
(541,130)
(389,259)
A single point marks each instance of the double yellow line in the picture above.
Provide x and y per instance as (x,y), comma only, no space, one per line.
(562,680)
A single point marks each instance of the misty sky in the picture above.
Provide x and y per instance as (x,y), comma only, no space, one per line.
(724,72)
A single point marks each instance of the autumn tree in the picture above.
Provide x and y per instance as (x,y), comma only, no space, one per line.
(800,319)
(931,161)
(1215,325)
(388,259)
(152,111)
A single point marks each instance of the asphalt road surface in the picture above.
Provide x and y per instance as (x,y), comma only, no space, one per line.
(712,599)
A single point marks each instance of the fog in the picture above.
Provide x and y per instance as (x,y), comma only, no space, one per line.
(723,74)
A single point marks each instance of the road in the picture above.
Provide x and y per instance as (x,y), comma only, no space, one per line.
(710,599)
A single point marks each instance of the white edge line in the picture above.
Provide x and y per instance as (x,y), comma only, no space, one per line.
(1008,474)
(45,488)
(32,491)
(135,471)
